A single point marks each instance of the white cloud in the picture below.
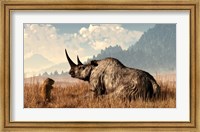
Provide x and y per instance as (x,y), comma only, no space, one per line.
(99,44)
(44,39)
(101,36)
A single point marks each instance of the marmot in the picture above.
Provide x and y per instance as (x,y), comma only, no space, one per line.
(46,89)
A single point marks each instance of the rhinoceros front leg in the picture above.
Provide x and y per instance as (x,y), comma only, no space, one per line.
(98,91)
(98,86)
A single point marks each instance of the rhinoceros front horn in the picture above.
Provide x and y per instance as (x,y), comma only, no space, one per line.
(72,64)
(79,62)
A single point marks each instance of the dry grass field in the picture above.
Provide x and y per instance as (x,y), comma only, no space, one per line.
(72,93)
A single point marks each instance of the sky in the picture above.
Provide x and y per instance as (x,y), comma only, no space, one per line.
(74,28)
(85,40)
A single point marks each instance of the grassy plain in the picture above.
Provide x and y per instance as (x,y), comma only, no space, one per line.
(72,93)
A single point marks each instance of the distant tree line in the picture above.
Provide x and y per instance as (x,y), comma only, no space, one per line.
(55,73)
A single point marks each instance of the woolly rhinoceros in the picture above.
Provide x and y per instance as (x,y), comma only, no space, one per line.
(110,77)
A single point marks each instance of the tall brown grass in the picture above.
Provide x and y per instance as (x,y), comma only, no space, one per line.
(78,95)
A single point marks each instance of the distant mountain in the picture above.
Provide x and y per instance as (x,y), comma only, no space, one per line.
(154,52)
(156,49)
(58,67)
(37,61)
(115,51)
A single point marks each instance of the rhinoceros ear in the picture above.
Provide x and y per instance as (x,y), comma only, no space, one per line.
(94,63)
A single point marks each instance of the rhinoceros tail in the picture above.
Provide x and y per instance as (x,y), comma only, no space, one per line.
(156,89)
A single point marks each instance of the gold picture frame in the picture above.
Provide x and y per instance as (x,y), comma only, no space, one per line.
(8,6)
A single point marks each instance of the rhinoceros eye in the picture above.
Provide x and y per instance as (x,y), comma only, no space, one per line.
(82,67)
